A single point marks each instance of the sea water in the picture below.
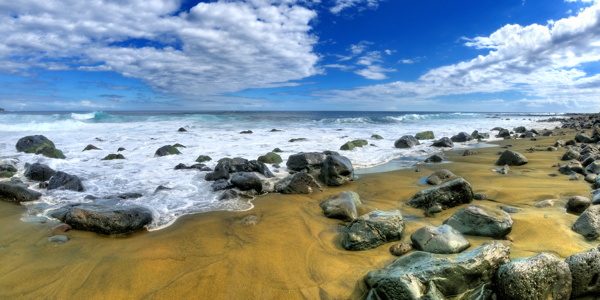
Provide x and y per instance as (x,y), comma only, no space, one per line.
(216,134)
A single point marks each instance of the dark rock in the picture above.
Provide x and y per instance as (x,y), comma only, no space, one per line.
(443,142)
(480,196)
(539,277)
(33,143)
(593,168)
(329,152)
(217,174)
(221,184)
(481,220)
(504,133)
(588,223)
(181,129)
(377,137)
(511,158)
(166,150)
(90,147)
(469,152)
(114,156)
(520,129)
(400,249)
(584,138)
(229,195)
(7,170)
(443,240)
(13,191)
(246,132)
(560,143)
(203,158)
(480,136)
(347,146)
(238,164)
(246,181)
(341,206)
(571,154)
(448,194)
(373,230)
(105,219)
(419,275)
(407,141)
(461,137)
(585,271)
(439,176)
(434,159)
(297,140)
(178,145)
(510,209)
(305,161)
(578,204)
(43,185)
(336,170)
(161,188)
(50,152)
(277,150)
(39,172)
(572,167)
(121,149)
(299,183)
(270,158)
(425,135)
(64,181)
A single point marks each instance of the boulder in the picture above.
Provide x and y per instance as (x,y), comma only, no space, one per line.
(443,142)
(588,223)
(347,146)
(246,181)
(571,167)
(39,172)
(543,276)
(305,161)
(480,136)
(221,184)
(578,204)
(32,143)
(593,167)
(299,183)
(64,181)
(90,147)
(341,206)
(582,137)
(51,152)
(15,191)
(270,158)
(443,240)
(481,220)
(104,218)
(585,271)
(425,135)
(200,167)
(238,164)
(217,175)
(439,176)
(400,249)
(511,158)
(503,133)
(434,159)
(520,129)
(373,230)
(166,150)
(114,156)
(336,170)
(449,194)
(203,158)
(377,137)
(423,275)
(407,141)
(7,170)
(181,129)
(461,137)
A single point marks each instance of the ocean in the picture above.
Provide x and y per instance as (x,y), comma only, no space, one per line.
(217,134)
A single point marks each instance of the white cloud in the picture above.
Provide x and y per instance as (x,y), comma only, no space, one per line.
(216,48)
(344,4)
(374,72)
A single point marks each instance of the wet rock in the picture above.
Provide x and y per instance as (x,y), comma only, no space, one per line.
(520,129)
(121,149)
(511,158)
(270,158)
(229,195)
(407,141)
(425,135)
(59,239)
(373,230)
(104,218)
(591,178)
(582,137)
(578,204)
(336,170)
(161,188)
(217,175)
(503,170)
(400,249)
(443,240)
(439,176)
(434,159)
(588,223)
(461,137)
(480,136)
(418,275)
(377,137)
(200,167)
(539,277)
(39,172)
(38,144)
(305,161)
(481,220)
(238,164)
(114,156)
(90,147)
(544,203)
(341,206)
(510,209)
(246,132)
(299,183)
(246,181)
(504,133)
(571,167)
(443,142)
(64,181)
(448,194)
(166,150)
(593,167)
(203,158)
(13,191)
(221,184)
(181,129)
(469,152)
(585,271)
(60,228)
(480,196)
(7,170)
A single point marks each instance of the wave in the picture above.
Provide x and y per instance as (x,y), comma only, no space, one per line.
(399,119)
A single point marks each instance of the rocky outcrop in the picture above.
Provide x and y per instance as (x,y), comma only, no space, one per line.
(39,172)
(585,271)
(16,191)
(64,181)
(336,170)
(443,240)
(373,230)
(299,183)
(407,141)
(341,206)
(113,157)
(305,161)
(511,158)
(105,219)
(588,223)
(539,277)
(449,194)
(422,275)
(481,220)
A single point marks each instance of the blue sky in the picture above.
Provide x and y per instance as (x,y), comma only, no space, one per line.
(427,55)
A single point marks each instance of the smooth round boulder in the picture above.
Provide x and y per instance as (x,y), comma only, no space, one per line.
(64,181)
(246,181)
(14,191)
(511,158)
(166,150)
(443,142)
(407,141)
(270,158)
(305,161)
(571,154)
(461,137)
(578,204)
(481,220)
(104,218)
(32,143)
(341,206)
(425,135)
(442,240)
(39,172)
(588,223)
(373,230)
(437,177)
(299,183)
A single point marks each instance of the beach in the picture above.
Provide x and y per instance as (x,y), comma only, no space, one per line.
(293,251)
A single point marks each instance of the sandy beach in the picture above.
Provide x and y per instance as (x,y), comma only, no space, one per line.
(293,252)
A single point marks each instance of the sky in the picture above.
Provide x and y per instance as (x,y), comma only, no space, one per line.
(373,55)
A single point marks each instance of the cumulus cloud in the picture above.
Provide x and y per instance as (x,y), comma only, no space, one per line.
(344,4)
(215,48)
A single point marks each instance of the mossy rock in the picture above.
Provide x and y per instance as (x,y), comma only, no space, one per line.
(270,158)
(178,145)
(377,137)
(91,147)
(114,156)
(50,151)
(348,146)
(360,143)
(6,174)
(166,150)
(121,149)
(297,140)
(203,158)
(277,150)
(425,135)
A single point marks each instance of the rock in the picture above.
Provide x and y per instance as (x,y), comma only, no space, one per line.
(504,133)
(582,137)
(443,142)
(64,181)
(161,188)
(551,149)
(270,158)
(578,204)
(104,219)
(400,249)
(481,220)
(121,149)
(90,147)
(571,154)
(246,132)
(229,195)
(33,143)
(39,172)
(588,223)
(480,136)
(275,130)
(181,129)
(59,239)
(593,167)
(571,167)
(203,158)
(238,164)
(425,135)
(457,276)
(377,137)
(469,152)
(407,141)
(510,209)
(50,152)
(114,156)
(520,129)
(200,167)
(437,177)
(585,271)
(7,170)
(341,206)
(277,150)
(539,277)
(12,191)
(336,170)
(591,178)
(178,145)
(443,240)
(221,184)
(166,150)
(250,220)
(373,230)
(61,228)
(347,146)
(480,196)
(461,137)
(511,158)
(297,140)
(305,161)
(503,170)
(299,183)
(434,159)
(559,143)
(449,194)
(544,203)
(217,175)
(246,181)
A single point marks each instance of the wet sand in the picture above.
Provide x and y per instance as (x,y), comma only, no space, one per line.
(293,252)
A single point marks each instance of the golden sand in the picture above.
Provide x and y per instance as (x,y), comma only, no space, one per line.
(293,252)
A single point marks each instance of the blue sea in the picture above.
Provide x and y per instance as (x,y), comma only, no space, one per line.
(217,134)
